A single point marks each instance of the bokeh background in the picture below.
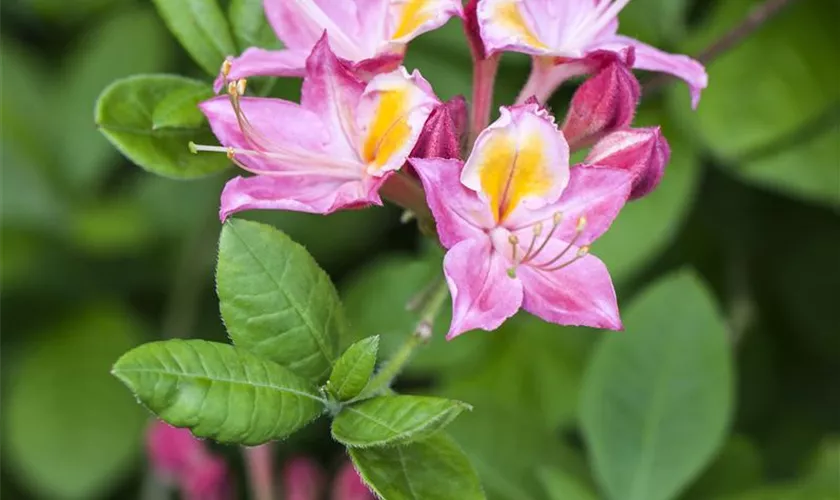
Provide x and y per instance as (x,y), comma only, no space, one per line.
(99,256)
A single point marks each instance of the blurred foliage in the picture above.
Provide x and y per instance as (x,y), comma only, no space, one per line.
(99,256)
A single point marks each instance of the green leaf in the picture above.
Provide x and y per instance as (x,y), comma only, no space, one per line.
(657,398)
(249,25)
(125,114)
(657,22)
(179,109)
(218,391)
(659,215)
(562,486)
(751,110)
(276,301)
(202,29)
(432,469)
(388,420)
(376,296)
(130,42)
(738,467)
(69,430)
(353,369)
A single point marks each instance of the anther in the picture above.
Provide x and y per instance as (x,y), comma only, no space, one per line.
(226,67)
(230,152)
(558,218)
(241,85)
(193,147)
(582,251)
(511,272)
(514,242)
(581,223)
(231,88)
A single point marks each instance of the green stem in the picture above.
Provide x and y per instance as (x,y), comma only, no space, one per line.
(422,332)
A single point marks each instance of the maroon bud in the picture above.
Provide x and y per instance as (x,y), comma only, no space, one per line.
(642,151)
(604,103)
(442,133)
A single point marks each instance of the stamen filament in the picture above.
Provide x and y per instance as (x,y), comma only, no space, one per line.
(556,220)
(578,231)
(581,253)
(333,168)
(537,230)
(514,242)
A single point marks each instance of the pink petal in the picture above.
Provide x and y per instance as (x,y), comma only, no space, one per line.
(459,213)
(301,23)
(507,25)
(300,193)
(349,486)
(302,479)
(411,19)
(483,294)
(298,136)
(580,294)
(171,450)
(520,159)
(652,59)
(261,62)
(333,93)
(603,103)
(596,193)
(367,69)
(390,118)
(643,152)
(209,480)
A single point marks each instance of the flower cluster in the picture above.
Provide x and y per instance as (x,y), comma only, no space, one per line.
(516,218)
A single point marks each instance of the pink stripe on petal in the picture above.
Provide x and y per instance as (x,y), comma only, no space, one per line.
(310,194)
(580,294)
(483,294)
(459,213)
(596,193)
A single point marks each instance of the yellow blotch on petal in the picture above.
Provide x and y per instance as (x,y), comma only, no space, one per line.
(390,129)
(413,15)
(508,174)
(509,16)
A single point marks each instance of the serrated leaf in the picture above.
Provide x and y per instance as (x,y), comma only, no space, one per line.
(249,25)
(124,114)
(432,469)
(353,369)
(657,398)
(62,399)
(389,420)
(201,27)
(276,301)
(218,391)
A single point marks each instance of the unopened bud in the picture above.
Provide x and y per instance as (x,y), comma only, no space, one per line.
(643,152)
(604,103)
(441,135)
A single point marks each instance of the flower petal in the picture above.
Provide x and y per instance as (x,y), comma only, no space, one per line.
(411,18)
(459,212)
(261,62)
(301,193)
(333,93)
(595,193)
(506,25)
(303,479)
(391,116)
(291,143)
(652,59)
(301,23)
(581,293)
(521,157)
(483,294)
(442,133)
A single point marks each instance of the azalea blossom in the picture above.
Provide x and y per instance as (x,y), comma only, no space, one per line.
(303,479)
(562,34)
(332,151)
(372,34)
(518,223)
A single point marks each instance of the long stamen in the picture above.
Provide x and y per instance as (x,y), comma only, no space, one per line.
(581,253)
(514,242)
(329,167)
(556,220)
(578,231)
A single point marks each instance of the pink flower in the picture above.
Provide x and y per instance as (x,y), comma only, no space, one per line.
(517,223)
(643,152)
(603,103)
(562,35)
(347,485)
(333,151)
(303,479)
(179,457)
(372,34)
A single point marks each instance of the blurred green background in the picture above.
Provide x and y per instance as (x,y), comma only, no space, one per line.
(99,256)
